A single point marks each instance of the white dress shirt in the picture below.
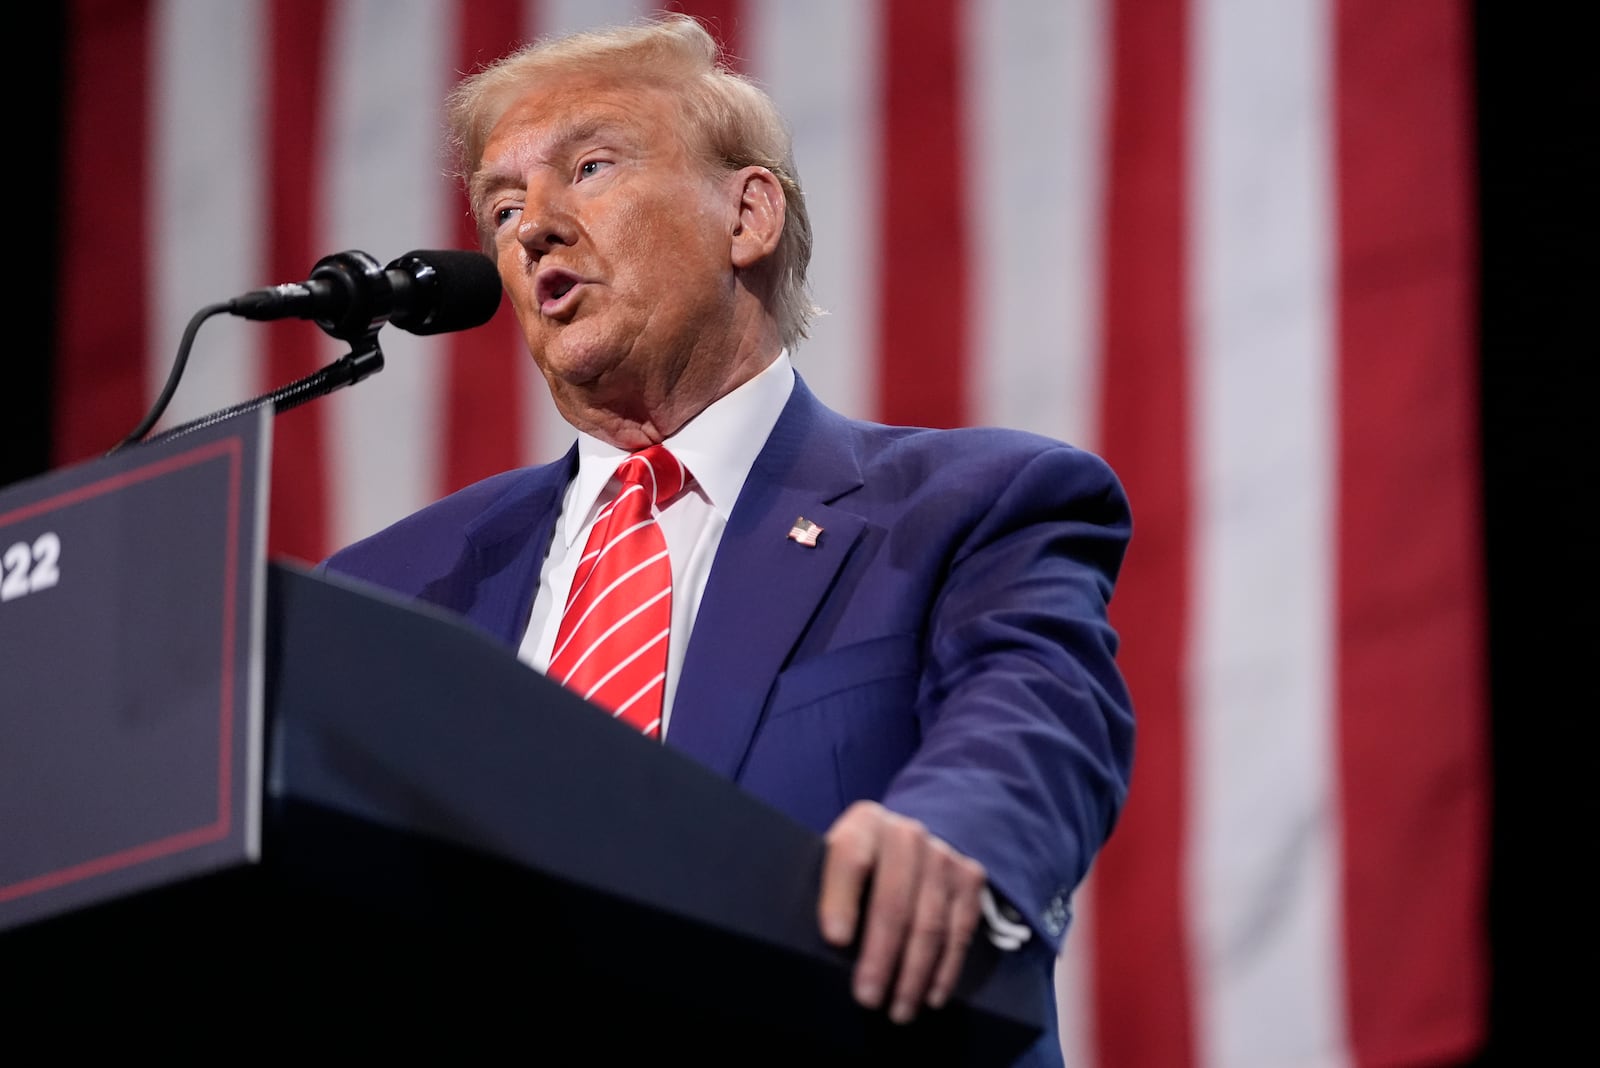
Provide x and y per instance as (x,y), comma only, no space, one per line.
(718,446)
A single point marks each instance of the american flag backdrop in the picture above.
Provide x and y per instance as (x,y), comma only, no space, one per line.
(1228,244)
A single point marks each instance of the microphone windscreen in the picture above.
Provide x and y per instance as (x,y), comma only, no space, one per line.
(462,290)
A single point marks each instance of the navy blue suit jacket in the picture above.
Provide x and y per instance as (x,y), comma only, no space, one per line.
(944,648)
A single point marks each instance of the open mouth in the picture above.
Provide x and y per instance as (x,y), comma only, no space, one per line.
(552,288)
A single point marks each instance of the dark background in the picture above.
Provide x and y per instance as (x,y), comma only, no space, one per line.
(1537,105)
(1537,176)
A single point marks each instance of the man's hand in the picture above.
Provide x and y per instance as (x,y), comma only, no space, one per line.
(921,914)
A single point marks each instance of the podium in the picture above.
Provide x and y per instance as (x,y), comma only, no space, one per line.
(387,832)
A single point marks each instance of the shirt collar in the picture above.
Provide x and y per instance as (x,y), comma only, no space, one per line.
(718,446)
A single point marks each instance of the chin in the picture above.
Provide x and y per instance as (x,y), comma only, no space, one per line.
(577,360)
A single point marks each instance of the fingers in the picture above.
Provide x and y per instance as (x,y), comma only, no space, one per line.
(922,910)
(852,851)
(924,945)
(966,884)
(946,916)
(895,897)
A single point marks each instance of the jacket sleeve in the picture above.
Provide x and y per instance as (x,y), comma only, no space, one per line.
(1027,724)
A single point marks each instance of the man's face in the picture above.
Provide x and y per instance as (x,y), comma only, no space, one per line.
(613,243)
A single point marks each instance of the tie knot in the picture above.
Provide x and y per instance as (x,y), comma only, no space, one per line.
(657,470)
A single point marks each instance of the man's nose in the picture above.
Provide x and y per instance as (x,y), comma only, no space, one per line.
(547,221)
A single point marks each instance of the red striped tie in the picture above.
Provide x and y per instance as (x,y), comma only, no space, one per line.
(612,644)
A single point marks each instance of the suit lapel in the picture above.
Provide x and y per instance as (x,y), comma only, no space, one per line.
(509,542)
(765,587)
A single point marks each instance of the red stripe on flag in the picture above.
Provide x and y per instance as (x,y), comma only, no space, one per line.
(487,30)
(1411,676)
(299,523)
(99,372)
(1141,969)
(722,18)
(923,321)
(482,407)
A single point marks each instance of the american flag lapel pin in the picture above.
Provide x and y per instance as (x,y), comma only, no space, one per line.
(805,532)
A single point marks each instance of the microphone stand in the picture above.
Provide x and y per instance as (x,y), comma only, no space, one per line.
(364,359)
(351,298)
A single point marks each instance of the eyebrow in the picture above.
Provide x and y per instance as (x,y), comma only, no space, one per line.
(562,139)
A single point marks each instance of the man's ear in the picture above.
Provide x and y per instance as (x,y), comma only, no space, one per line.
(759,223)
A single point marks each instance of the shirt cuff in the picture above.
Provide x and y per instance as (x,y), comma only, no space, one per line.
(1003,923)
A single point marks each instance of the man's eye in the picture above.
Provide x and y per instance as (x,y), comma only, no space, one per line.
(501,215)
(591,167)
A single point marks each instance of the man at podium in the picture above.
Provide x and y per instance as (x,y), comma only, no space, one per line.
(896,635)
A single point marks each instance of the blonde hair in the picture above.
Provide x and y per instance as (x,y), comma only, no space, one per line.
(731,122)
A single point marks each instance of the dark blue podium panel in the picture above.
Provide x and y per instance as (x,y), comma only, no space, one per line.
(131,606)
(429,789)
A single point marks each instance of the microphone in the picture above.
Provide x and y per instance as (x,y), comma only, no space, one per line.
(427,291)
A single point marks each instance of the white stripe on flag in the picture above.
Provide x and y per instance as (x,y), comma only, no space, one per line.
(568,16)
(1075,984)
(207,195)
(1264,850)
(1034,177)
(386,194)
(820,63)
